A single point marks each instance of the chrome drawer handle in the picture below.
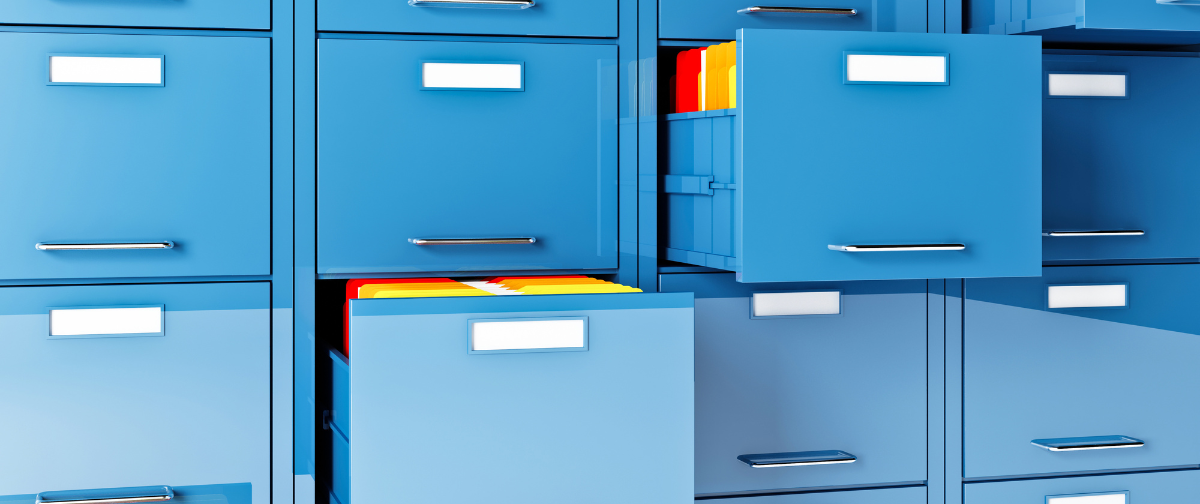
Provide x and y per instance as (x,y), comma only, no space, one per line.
(898,248)
(1122,232)
(795,459)
(106,246)
(1088,443)
(472,241)
(478,4)
(798,10)
(108,496)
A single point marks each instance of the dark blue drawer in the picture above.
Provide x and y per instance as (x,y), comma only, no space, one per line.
(1177,487)
(135,385)
(590,18)
(720,19)
(1113,21)
(808,383)
(238,14)
(1115,356)
(1122,163)
(399,164)
(184,163)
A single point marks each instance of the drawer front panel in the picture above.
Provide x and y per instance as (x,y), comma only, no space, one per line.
(236,14)
(907,495)
(1119,162)
(132,160)
(1176,487)
(544,425)
(532,159)
(788,383)
(720,19)
(593,18)
(231,493)
(1173,15)
(190,405)
(1102,363)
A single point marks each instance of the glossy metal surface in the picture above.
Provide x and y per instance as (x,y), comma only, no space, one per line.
(486,4)
(472,241)
(797,10)
(898,248)
(105,246)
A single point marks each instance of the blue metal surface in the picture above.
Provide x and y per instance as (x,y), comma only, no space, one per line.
(190,407)
(473,164)
(230,14)
(534,427)
(1172,486)
(719,19)
(112,164)
(229,493)
(906,495)
(1111,21)
(160,492)
(593,18)
(1031,373)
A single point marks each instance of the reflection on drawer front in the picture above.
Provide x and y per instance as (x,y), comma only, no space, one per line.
(907,495)
(232,493)
(1177,487)
(591,18)
(240,14)
(453,156)
(789,387)
(590,394)
(134,156)
(1087,368)
(1120,21)
(113,405)
(720,19)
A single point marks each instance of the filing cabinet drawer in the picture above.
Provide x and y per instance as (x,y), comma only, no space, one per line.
(522,177)
(592,18)
(907,495)
(548,398)
(1119,167)
(807,368)
(868,182)
(1175,487)
(233,493)
(238,14)
(1099,357)
(1114,21)
(135,385)
(124,141)
(720,19)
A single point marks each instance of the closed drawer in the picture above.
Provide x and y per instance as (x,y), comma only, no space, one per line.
(1118,166)
(135,385)
(451,390)
(1176,487)
(593,18)
(1165,22)
(720,19)
(535,163)
(768,382)
(907,495)
(233,493)
(868,182)
(1115,356)
(239,14)
(172,149)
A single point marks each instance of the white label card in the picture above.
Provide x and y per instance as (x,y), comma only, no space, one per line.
(1088,296)
(886,68)
(1097,85)
(1112,498)
(471,75)
(106,70)
(106,321)
(790,304)
(502,335)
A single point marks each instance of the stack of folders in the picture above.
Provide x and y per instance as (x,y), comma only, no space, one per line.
(494,286)
(706,78)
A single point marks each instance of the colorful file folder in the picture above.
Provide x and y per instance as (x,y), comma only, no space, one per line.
(705,78)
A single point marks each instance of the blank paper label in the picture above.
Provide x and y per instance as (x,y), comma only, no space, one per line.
(785,304)
(892,68)
(101,321)
(1113,498)
(528,335)
(105,70)
(471,75)
(1112,86)
(1087,296)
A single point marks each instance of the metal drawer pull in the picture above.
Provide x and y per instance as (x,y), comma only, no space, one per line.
(1123,232)
(1088,443)
(478,4)
(108,496)
(898,248)
(472,241)
(798,10)
(794,459)
(105,246)
(1179,2)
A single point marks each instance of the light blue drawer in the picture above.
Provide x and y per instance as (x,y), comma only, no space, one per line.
(591,18)
(1039,373)
(720,19)
(186,162)
(1168,22)
(905,495)
(854,382)
(781,187)
(1121,164)
(1175,487)
(236,14)
(234,493)
(188,405)
(611,420)
(398,163)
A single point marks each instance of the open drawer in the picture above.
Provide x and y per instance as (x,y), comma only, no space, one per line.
(858,156)
(1159,22)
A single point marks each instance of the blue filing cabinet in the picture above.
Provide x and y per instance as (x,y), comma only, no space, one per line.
(1163,22)
(824,172)
(402,163)
(1079,353)
(1162,488)
(185,163)
(234,14)
(537,399)
(795,368)
(720,19)
(1119,167)
(570,18)
(136,385)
